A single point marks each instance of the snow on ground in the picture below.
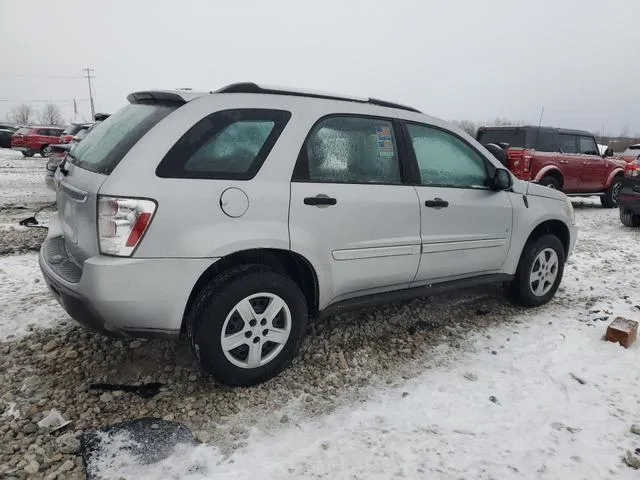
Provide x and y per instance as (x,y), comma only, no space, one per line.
(24,297)
(509,407)
(22,179)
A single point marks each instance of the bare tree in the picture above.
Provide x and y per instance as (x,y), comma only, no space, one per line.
(467,125)
(50,115)
(21,114)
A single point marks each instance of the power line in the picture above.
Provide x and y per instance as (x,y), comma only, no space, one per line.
(35,75)
(42,101)
(89,77)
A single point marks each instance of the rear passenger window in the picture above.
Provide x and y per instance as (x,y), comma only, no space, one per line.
(545,142)
(568,143)
(350,150)
(231,144)
(588,146)
(43,132)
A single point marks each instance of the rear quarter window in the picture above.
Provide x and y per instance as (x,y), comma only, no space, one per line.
(230,144)
(106,144)
(515,137)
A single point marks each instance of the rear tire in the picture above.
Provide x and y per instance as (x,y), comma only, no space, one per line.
(45,151)
(629,219)
(27,153)
(611,198)
(539,272)
(551,182)
(239,304)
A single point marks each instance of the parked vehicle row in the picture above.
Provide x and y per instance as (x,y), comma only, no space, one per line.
(32,140)
(59,151)
(236,217)
(567,160)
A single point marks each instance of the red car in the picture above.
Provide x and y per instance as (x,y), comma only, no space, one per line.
(73,130)
(32,140)
(567,160)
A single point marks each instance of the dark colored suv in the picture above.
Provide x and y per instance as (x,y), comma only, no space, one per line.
(567,160)
(31,140)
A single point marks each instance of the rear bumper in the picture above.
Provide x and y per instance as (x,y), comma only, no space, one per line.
(143,298)
(629,199)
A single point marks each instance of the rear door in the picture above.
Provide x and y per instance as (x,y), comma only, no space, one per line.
(350,209)
(89,163)
(465,226)
(570,161)
(595,169)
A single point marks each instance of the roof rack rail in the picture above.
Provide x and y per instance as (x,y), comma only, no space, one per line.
(250,87)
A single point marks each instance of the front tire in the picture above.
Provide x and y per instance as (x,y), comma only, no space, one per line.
(246,327)
(539,272)
(27,153)
(629,219)
(611,198)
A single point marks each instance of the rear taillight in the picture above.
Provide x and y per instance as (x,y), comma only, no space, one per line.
(633,169)
(527,156)
(122,223)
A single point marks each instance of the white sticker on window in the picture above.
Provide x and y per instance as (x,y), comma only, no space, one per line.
(385,143)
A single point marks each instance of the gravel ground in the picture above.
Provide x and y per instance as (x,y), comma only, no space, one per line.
(342,358)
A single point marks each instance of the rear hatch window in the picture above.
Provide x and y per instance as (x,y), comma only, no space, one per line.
(106,144)
(72,129)
(515,137)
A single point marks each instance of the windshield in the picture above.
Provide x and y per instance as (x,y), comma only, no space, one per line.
(106,144)
(23,131)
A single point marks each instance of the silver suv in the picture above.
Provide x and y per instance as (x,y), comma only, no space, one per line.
(233,217)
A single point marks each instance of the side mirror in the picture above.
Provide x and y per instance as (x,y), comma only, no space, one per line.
(608,152)
(502,180)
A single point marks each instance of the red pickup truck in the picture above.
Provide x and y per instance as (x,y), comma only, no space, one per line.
(568,160)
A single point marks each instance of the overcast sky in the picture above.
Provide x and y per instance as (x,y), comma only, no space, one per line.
(475,60)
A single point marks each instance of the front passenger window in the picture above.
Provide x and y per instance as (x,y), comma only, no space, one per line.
(588,146)
(444,160)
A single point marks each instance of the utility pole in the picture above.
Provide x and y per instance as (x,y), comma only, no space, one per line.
(89,77)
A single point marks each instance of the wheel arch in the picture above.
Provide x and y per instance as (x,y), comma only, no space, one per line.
(553,171)
(553,227)
(617,172)
(288,262)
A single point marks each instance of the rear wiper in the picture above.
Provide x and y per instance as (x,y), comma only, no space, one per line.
(62,168)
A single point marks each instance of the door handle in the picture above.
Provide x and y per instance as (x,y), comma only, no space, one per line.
(436,203)
(320,200)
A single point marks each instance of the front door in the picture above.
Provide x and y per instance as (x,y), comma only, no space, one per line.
(570,162)
(595,169)
(465,226)
(350,212)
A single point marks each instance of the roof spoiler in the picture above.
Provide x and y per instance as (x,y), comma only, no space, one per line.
(155,97)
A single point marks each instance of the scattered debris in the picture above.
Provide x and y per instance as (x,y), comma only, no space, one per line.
(284,418)
(632,459)
(12,410)
(635,428)
(405,394)
(54,421)
(578,379)
(146,390)
(472,377)
(574,429)
(493,399)
(465,432)
(150,440)
(343,361)
(557,426)
(623,331)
